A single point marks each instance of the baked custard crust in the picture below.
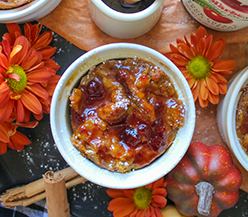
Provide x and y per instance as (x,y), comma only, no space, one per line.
(8,4)
(125,114)
(242,119)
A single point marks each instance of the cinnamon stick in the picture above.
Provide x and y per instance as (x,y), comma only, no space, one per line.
(35,191)
(56,195)
(35,187)
(7,202)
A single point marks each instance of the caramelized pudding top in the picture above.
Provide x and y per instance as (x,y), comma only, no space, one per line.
(8,4)
(242,119)
(125,114)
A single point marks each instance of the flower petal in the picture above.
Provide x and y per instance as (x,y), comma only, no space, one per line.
(6,46)
(141,213)
(38,90)
(14,30)
(4,61)
(196,91)
(39,76)
(212,86)
(151,211)
(51,65)
(160,191)
(223,65)
(159,200)
(48,52)
(185,50)
(201,33)
(193,42)
(201,47)
(30,60)
(43,40)
(14,76)
(191,82)
(20,139)
(3,134)
(4,89)
(179,60)
(223,88)
(115,193)
(186,73)
(20,114)
(219,79)
(180,40)
(203,90)
(216,49)
(128,193)
(158,183)
(225,72)
(117,202)
(17,56)
(5,111)
(174,49)
(32,31)
(31,102)
(39,116)
(203,103)
(3,148)
(214,99)
(31,124)
(158,212)
(124,210)
(134,212)
(52,84)
(208,44)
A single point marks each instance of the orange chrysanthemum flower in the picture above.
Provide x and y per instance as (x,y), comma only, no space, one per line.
(27,81)
(140,202)
(22,75)
(11,138)
(198,62)
(40,42)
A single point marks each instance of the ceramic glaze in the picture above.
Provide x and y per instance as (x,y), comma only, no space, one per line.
(220,15)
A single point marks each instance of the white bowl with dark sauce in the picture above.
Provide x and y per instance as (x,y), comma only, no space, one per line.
(124,24)
(61,115)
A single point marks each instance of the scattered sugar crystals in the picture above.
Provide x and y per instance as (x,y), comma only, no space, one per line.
(88,198)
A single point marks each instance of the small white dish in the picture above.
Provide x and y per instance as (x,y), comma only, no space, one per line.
(226,116)
(60,118)
(28,12)
(124,25)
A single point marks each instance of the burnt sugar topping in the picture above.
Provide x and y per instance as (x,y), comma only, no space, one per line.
(125,114)
(242,119)
(8,4)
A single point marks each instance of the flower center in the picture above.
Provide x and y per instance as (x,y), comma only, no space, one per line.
(199,67)
(142,197)
(17,86)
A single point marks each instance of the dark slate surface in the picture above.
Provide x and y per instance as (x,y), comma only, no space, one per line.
(18,168)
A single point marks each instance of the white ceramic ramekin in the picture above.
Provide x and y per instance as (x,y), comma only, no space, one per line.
(124,25)
(226,116)
(60,119)
(28,12)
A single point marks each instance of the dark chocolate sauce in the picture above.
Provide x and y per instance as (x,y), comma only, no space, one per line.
(128,8)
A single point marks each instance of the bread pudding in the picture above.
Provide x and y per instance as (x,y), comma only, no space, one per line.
(125,114)
(242,119)
(8,4)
